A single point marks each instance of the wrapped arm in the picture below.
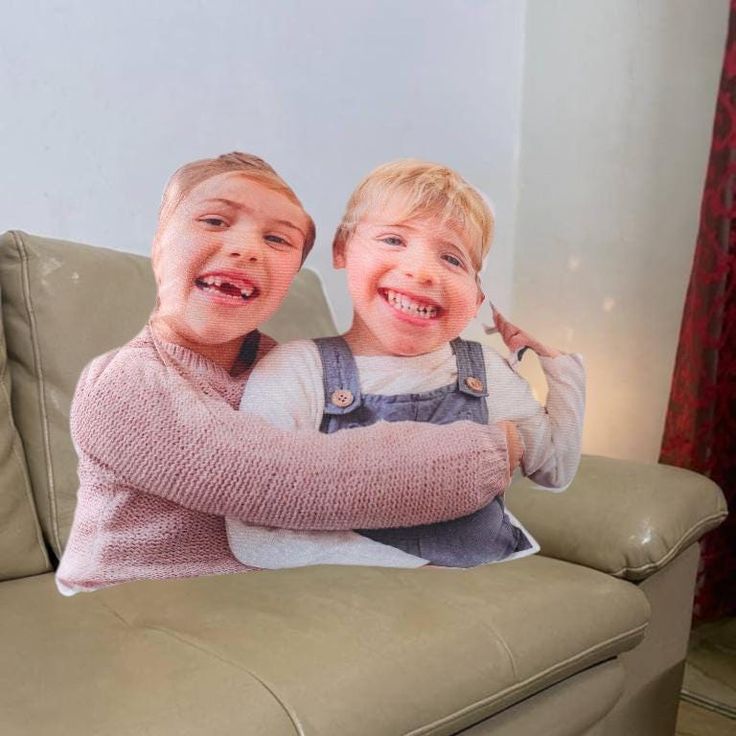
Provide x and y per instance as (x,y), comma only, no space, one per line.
(158,434)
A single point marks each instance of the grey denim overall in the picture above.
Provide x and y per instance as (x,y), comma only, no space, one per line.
(488,535)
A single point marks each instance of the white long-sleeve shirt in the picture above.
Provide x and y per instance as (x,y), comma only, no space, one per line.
(286,388)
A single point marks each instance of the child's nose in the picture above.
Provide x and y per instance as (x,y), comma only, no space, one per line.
(240,245)
(421,269)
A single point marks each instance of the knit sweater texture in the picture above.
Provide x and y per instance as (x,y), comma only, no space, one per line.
(164,457)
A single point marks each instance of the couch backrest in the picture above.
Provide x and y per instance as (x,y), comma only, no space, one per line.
(63,304)
(22,550)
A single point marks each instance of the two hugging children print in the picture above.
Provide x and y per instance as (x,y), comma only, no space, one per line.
(400,391)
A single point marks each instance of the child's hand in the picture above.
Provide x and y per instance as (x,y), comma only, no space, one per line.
(518,340)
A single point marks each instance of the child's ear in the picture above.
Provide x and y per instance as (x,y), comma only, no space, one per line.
(338,253)
(480,299)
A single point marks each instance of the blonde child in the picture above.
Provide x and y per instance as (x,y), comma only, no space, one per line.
(412,240)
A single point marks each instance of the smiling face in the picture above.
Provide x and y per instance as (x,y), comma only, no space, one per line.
(224,260)
(412,283)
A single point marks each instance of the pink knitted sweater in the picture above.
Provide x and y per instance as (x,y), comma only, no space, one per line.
(164,457)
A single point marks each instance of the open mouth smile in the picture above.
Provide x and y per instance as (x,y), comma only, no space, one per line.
(227,287)
(409,306)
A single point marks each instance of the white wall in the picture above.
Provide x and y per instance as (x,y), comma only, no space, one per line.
(619,99)
(102,101)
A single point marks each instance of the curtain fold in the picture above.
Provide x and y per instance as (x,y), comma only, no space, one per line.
(700,427)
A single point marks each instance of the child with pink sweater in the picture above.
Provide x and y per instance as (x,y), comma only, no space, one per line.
(164,456)
(412,241)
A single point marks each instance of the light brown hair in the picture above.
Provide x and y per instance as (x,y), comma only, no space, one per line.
(190,175)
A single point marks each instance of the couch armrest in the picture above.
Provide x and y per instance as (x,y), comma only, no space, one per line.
(623,518)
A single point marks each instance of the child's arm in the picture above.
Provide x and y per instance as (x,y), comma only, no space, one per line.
(554,439)
(285,388)
(153,430)
(552,435)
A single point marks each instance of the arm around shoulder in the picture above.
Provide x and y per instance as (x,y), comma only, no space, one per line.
(156,432)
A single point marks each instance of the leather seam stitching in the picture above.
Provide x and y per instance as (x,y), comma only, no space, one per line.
(23,467)
(687,537)
(25,282)
(199,647)
(447,720)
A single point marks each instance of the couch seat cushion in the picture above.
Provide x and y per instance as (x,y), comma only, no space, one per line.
(315,651)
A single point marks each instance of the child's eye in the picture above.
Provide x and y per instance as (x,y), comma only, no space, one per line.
(392,240)
(453,260)
(214,221)
(277,239)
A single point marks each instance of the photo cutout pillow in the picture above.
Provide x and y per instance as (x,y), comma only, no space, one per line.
(237,431)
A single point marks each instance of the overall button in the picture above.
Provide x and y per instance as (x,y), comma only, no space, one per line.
(474,384)
(342,398)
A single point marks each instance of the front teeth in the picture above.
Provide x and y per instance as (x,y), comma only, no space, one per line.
(404,304)
(212,281)
(217,281)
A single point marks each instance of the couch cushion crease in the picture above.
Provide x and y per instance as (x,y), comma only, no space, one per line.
(22,549)
(106,675)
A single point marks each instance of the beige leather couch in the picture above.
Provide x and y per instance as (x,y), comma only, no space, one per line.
(586,638)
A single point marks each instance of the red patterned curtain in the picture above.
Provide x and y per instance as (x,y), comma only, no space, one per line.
(700,430)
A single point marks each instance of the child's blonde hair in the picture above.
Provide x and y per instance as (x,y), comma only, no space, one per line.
(427,189)
(190,175)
